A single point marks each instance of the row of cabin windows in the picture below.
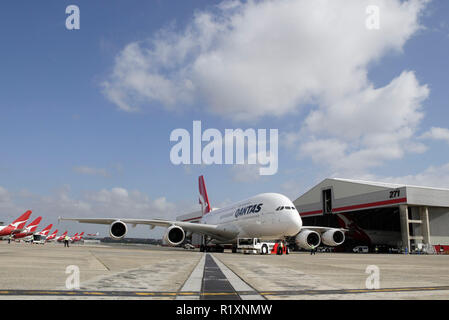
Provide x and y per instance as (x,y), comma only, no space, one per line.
(286,208)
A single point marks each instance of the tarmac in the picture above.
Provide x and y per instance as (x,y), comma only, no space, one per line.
(50,271)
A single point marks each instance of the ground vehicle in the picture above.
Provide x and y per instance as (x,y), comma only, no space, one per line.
(189,246)
(39,239)
(254,245)
(361,249)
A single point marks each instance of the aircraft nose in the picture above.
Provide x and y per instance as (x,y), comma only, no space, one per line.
(295,223)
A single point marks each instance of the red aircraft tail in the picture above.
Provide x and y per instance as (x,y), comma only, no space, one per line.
(33,225)
(53,235)
(20,222)
(204,199)
(46,230)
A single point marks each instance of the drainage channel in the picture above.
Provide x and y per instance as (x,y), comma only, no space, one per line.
(215,285)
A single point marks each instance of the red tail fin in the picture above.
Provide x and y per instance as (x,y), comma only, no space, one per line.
(54,232)
(47,229)
(20,222)
(204,199)
(33,225)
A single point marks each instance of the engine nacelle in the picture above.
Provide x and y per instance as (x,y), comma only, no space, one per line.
(118,230)
(174,236)
(308,239)
(333,237)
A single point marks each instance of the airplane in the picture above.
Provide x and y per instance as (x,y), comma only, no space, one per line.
(61,238)
(16,226)
(267,216)
(45,231)
(77,238)
(73,237)
(52,236)
(29,230)
(368,237)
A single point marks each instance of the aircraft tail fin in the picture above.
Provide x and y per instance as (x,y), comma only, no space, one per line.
(46,230)
(20,222)
(33,225)
(204,199)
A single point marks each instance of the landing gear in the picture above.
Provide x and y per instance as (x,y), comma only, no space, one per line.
(206,248)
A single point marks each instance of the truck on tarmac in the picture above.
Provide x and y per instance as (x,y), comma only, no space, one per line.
(256,246)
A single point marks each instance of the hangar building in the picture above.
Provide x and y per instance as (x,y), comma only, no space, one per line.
(380,214)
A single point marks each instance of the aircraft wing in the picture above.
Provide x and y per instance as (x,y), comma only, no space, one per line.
(322,229)
(205,229)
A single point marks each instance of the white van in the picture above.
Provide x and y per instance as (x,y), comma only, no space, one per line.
(361,249)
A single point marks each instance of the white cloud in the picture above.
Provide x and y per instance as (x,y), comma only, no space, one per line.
(4,195)
(433,176)
(245,173)
(259,58)
(91,171)
(6,204)
(437,134)
(367,128)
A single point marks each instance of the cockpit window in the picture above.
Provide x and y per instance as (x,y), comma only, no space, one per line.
(287,208)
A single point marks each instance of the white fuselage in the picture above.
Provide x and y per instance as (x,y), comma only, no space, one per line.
(257,217)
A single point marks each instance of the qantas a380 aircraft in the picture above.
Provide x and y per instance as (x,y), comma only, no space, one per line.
(268,216)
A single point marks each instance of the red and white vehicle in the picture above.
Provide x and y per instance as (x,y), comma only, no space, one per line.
(29,230)
(256,246)
(52,236)
(16,226)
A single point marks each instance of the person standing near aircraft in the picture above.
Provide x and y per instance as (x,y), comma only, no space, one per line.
(66,241)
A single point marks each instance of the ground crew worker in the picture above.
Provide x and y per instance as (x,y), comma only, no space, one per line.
(66,241)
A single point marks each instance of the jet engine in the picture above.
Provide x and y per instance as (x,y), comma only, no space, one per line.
(308,239)
(118,230)
(174,236)
(333,237)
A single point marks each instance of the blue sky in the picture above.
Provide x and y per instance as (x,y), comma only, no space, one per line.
(68,148)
